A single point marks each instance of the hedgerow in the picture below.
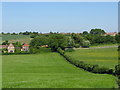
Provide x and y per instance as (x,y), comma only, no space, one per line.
(87,67)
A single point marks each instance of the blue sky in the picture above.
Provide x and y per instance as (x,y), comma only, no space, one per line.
(59,16)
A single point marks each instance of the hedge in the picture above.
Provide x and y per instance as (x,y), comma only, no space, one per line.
(87,67)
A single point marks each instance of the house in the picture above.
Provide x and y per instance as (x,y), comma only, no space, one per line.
(25,47)
(111,34)
(3,46)
(11,48)
(44,46)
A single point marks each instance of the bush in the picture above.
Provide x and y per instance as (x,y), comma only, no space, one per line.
(69,50)
(60,51)
(85,43)
(118,82)
(77,45)
(117,69)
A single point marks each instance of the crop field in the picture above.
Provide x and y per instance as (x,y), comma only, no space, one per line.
(14,38)
(49,70)
(104,57)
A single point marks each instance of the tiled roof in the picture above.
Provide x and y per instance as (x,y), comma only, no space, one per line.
(110,33)
(25,45)
(3,46)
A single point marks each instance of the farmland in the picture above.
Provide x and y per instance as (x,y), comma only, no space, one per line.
(105,57)
(14,38)
(49,70)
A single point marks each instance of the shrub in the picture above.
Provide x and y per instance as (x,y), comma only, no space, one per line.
(77,45)
(69,50)
(60,50)
(85,43)
(117,69)
(118,82)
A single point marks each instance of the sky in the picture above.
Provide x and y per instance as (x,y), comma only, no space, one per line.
(59,16)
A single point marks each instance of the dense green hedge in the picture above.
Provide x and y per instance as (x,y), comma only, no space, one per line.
(16,53)
(87,67)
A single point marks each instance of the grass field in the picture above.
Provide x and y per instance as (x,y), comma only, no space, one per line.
(49,70)
(107,57)
(14,38)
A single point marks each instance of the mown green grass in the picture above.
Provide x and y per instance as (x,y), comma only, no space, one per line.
(104,57)
(49,70)
(14,38)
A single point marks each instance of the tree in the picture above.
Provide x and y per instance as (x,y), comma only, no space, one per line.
(85,33)
(97,31)
(117,37)
(5,42)
(39,41)
(56,41)
(85,43)
(17,44)
(70,42)
(117,69)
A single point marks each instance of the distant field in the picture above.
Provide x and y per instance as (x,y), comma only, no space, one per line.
(14,38)
(107,57)
(49,70)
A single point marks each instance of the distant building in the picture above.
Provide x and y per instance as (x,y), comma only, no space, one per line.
(25,47)
(111,34)
(44,46)
(11,48)
(3,46)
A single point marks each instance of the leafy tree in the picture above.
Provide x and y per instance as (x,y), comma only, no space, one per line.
(117,37)
(97,31)
(56,41)
(17,44)
(85,43)
(85,33)
(117,69)
(77,38)
(71,42)
(5,42)
(40,40)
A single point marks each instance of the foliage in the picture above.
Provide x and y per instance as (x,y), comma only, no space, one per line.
(70,42)
(117,69)
(57,40)
(85,43)
(54,41)
(97,31)
(17,44)
(77,45)
(69,50)
(85,33)
(5,42)
(117,37)
(39,41)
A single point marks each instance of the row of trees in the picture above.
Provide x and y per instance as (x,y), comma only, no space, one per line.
(22,33)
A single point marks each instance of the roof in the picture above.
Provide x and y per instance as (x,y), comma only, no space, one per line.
(25,45)
(11,45)
(3,46)
(110,33)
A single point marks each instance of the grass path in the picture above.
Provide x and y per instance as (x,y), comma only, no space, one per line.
(49,70)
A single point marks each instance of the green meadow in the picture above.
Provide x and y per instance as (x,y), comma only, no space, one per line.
(49,70)
(104,57)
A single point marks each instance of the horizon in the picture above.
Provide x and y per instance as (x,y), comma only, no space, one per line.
(65,17)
